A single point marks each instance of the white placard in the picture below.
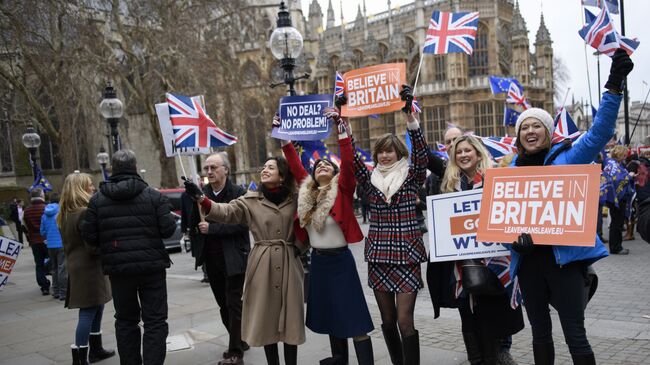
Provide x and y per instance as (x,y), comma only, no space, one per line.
(453,222)
(9,250)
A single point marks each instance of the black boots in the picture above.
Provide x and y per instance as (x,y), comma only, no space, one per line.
(340,354)
(473,348)
(411,346)
(97,352)
(393,343)
(544,353)
(583,359)
(79,355)
(363,349)
(271,352)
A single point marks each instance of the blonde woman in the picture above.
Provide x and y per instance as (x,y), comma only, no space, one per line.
(88,288)
(485,318)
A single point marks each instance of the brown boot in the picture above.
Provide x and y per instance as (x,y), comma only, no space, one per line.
(629,234)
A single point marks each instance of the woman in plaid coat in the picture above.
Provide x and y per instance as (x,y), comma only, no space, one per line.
(394,248)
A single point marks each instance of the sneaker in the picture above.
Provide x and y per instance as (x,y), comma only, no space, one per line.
(234,360)
(45,291)
(504,358)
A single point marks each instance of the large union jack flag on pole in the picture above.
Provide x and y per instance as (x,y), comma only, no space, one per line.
(451,32)
(339,85)
(516,96)
(601,34)
(192,127)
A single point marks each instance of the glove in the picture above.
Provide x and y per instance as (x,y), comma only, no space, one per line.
(339,101)
(276,121)
(621,66)
(407,96)
(332,113)
(192,190)
(524,244)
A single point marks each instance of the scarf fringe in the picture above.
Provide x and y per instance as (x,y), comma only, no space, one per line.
(314,204)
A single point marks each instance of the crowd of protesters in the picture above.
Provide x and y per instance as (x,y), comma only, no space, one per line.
(107,245)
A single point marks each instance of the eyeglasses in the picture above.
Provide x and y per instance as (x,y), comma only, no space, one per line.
(211,167)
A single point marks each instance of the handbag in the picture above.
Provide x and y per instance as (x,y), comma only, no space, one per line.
(478,279)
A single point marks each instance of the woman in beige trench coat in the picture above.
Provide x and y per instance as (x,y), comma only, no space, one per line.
(273,289)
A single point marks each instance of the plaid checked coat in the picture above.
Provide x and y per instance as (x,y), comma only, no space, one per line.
(394,236)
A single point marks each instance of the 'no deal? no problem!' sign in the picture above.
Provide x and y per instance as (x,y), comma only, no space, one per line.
(557,205)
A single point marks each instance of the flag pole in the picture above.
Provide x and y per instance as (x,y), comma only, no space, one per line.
(639,117)
(180,160)
(566,95)
(417,74)
(582,10)
(626,112)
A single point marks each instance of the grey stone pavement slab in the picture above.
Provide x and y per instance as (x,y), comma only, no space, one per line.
(37,329)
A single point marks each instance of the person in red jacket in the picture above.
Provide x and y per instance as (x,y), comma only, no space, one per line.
(326,212)
(32,220)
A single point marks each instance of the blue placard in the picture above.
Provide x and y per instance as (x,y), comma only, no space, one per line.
(302,118)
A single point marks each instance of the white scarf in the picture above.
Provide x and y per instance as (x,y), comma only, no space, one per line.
(388,179)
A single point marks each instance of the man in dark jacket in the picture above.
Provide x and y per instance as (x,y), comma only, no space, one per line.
(223,250)
(128,220)
(32,219)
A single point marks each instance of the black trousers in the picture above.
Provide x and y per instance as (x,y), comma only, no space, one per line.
(39,250)
(543,282)
(138,297)
(616,226)
(227,291)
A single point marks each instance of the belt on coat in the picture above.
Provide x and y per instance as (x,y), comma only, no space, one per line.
(285,275)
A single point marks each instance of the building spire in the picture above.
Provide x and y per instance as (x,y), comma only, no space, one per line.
(543,36)
(518,22)
(330,15)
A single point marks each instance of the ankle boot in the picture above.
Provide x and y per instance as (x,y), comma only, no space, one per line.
(544,353)
(629,233)
(96,351)
(290,354)
(393,343)
(583,359)
(271,352)
(363,349)
(340,353)
(79,355)
(473,348)
(411,349)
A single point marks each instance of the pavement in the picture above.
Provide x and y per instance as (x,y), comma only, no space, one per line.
(36,329)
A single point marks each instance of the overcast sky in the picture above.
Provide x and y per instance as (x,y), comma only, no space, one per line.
(563,18)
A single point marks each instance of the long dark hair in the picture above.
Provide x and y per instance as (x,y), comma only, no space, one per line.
(288,181)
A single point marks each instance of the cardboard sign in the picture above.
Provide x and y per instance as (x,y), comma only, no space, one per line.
(9,250)
(453,220)
(374,89)
(302,118)
(556,205)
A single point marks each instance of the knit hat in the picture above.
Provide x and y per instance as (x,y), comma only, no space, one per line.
(539,114)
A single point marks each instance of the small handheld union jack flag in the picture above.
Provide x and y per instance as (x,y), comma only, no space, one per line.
(516,96)
(339,85)
(451,32)
(628,44)
(415,107)
(565,128)
(601,34)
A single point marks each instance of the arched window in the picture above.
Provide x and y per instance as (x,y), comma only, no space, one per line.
(358,58)
(383,51)
(478,61)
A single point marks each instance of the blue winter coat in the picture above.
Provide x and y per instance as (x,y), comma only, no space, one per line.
(583,151)
(49,229)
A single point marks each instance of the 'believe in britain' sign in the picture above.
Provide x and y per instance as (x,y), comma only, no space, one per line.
(302,118)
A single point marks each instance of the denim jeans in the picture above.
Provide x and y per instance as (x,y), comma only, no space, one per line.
(90,320)
(59,274)
(39,250)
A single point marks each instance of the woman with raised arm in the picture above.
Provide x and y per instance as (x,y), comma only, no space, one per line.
(553,274)
(272,309)
(335,302)
(394,248)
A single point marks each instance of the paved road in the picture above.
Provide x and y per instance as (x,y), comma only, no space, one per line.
(37,330)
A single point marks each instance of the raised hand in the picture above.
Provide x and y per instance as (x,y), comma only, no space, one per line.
(622,65)
(339,101)
(276,121)
(407,96)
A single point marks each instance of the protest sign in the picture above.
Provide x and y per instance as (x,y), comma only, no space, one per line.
(302,118)
(556,205)
(453,219)
(374,89)
(9,250)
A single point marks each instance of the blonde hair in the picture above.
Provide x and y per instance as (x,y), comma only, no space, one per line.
(74,194)
(387,142)
(453,172)
(618,152)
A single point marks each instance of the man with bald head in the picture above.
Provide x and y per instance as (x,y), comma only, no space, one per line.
(223,249)
(451,133)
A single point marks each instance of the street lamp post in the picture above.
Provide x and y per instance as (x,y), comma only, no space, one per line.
(31,141)
(286,45)
(111,109)
(102,160)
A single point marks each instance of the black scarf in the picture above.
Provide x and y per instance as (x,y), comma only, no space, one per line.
(535,159)
(277,195)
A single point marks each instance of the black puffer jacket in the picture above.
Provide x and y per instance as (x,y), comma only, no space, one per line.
(128,220)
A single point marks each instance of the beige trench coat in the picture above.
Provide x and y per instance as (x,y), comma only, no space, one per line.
(273,289)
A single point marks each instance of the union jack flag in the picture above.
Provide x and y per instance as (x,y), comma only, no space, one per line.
(499,147)
(415,107)
(192,127)
(600,33)
(565,128)
(516,96)
(628,44)
(451,32)
(500,265)
(441,147)
(339,85)
(612,5)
